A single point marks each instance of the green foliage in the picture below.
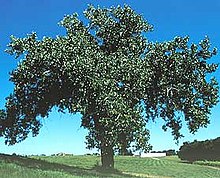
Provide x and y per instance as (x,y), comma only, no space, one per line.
(169,152)
(200,150)
(2,118)
(179,83)
(111,74)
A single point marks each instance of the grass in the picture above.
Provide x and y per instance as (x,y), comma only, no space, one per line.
(166,167)
(209,163)
(88,167)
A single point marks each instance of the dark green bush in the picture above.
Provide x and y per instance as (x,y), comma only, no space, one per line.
(200,150)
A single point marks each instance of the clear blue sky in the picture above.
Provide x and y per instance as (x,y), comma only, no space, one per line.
(62,133)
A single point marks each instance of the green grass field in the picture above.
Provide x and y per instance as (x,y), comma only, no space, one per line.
(88,167)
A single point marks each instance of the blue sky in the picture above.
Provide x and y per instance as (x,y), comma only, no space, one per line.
(62,133)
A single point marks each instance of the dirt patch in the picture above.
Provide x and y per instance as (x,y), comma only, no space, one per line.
(212,167)
(143,175)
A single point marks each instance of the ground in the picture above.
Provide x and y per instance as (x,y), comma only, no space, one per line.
(88,167)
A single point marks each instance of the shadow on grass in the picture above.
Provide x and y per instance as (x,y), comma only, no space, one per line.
(48,166)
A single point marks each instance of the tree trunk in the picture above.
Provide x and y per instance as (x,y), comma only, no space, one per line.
(124,144)
(107,152)
(107,156)
(123,150)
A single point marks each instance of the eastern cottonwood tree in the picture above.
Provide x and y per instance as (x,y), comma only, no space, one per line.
(109,72)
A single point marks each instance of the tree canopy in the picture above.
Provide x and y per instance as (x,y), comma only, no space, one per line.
(109,72)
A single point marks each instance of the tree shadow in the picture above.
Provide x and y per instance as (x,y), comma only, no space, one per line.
(73,170)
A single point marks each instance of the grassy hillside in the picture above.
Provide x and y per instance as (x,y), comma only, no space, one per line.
(88,166)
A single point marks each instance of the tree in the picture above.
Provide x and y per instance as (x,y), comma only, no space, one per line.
(200,150)
(111,74)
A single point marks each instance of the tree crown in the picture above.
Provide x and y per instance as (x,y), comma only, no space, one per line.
(111,74)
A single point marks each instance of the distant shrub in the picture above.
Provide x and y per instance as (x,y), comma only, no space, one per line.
(200,150)
(169,152)
(96,154)
(88,154)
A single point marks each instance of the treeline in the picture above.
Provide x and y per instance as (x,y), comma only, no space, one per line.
(168,152)
(200,150)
